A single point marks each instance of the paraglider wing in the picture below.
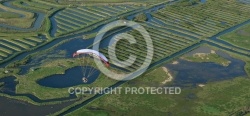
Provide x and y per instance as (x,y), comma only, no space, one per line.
(94,53)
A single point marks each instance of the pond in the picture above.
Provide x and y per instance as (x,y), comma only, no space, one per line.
(193,73)
(70,47)
(8,86)
(13,107)
(72,77)
(203,1)
(244,1)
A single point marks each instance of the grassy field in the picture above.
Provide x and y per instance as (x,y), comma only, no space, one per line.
(210,57)
(239,37)
(107,2)
(165,43)
(16,41)
(206,101)
(141,18)
(72,19)
(35,5)
(180,25)
(28,82)
(217,98)
(10,46)
(204,20)
(8,15)
(14,20)
(69,20)
(179,29)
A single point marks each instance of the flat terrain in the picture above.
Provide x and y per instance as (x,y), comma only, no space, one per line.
(208,57)
(205,100)
(38,38)
(240,37)
(107,2)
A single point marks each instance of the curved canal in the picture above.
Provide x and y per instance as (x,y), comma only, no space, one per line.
(88,43)
(35,26)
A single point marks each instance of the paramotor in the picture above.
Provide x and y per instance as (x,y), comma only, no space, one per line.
(85,57)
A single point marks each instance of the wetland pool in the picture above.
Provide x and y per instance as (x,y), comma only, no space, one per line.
(193,73)
(72,77)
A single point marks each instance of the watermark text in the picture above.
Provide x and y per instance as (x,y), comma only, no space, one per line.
(124,90)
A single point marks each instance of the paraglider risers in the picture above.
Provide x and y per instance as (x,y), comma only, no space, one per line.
(84,79)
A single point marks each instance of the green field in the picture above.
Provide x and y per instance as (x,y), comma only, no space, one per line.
(15,41)
(73,19)
(204,20)
(208,100)
(174,28)
(11,46)
(106,2)
(210,57)
(165,44)
(10,17)
(141,18)
(239,37)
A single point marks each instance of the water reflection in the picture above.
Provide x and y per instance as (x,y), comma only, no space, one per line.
(72,77)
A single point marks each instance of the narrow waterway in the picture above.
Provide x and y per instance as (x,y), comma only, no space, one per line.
(9,83)
(229,30)
(12,107)
(56,41)
(36,25)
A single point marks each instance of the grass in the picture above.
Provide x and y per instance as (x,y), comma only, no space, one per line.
(1,84)
(26,40)
(91,113)
(27,14)
(8,15)
(2,54)
(97,24)
(239,37)
(205,19)
(34,39)
(28,82)
(30,43)
(132,104)
(22,43)
(30,79)
(73,19)
(140,18)
(118,104)
(210,57)
(38,6)
(108,2)
(28,100)
(33,5)
(229,47)
(165,44)
(215,98)
(17,44)
(234,97)
(10,47)
(25,22)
